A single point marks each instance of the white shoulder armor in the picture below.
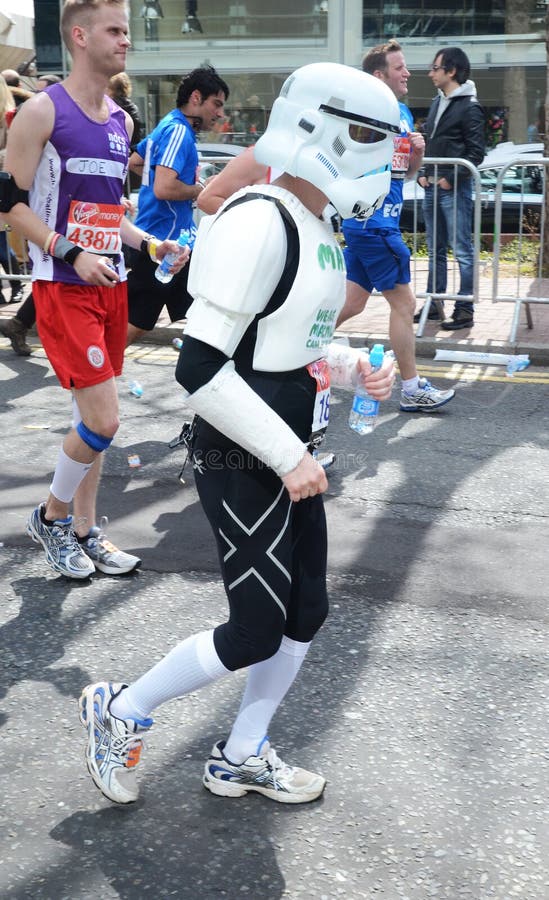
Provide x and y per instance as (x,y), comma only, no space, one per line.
(237,261)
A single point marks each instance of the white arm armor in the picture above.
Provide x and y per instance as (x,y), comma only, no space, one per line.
(342,361)
(237,261)
(254,425)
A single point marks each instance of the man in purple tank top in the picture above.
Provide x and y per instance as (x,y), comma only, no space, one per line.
(67,159)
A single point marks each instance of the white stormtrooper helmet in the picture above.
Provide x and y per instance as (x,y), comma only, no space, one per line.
(333,126)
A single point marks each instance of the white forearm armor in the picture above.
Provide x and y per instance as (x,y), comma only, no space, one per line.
(255,426)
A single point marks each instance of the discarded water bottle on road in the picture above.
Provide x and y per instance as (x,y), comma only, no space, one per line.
(163,273)
(135,388)
(177,343)
(364,411)
(517,364)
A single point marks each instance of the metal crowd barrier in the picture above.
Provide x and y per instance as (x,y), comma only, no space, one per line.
(534,284)
(418,280)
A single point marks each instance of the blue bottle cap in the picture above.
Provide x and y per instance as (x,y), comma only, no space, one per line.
(376,355)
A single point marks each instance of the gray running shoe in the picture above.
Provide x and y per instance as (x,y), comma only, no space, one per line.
(106,557)
(265,773)
(114,745)
(426,398)
(63,552)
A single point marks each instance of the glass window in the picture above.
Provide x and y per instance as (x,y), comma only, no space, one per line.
(423,19)
(251,97)
(196,20)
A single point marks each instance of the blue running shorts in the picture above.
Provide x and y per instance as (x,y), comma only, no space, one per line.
(379,260)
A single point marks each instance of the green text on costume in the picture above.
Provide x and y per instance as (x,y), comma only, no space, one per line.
(323,328)
(330,256)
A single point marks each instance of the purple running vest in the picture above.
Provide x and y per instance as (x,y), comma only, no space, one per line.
(78,184)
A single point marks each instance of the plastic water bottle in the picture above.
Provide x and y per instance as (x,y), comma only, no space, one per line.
(517,364)
(135,388)
(163,269)
(177,343)
(363,415)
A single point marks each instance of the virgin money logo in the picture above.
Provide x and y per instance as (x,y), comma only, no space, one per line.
(85,213)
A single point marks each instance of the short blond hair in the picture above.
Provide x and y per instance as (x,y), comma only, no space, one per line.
(376,58)
(81,12)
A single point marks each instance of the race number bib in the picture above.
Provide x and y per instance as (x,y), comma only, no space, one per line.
(95,226)
(320,371)
(401,155)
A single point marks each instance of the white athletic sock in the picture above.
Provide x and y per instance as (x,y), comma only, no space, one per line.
(67,476)
(189,666)
(267,685)
(410,385)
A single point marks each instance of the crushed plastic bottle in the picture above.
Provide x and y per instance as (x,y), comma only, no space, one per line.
(135,389)
(177,343)
(517,364)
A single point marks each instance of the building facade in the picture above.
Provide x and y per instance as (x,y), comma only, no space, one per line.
(255,45)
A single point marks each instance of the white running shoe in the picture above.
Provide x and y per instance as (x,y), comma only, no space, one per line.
(114,745)
(63,552)
(265,773)
(426,398)
(106,557)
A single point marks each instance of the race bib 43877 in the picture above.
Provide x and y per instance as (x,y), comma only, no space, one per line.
(95,226)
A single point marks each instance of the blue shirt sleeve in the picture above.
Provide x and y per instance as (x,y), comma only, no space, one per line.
(175,148)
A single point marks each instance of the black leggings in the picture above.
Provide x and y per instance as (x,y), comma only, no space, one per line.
(272,554)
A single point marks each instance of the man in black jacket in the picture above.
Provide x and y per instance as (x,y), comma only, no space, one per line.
(454,128)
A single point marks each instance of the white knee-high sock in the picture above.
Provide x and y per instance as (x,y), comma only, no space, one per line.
(189,666)
(267,685)
(68,472)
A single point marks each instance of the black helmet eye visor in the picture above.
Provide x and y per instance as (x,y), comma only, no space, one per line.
(364,135)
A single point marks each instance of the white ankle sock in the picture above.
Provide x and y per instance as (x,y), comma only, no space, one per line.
(189,666)
(410,385)
(267,684)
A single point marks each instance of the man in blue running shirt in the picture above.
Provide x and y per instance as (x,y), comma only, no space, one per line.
(167,161)
(376,255)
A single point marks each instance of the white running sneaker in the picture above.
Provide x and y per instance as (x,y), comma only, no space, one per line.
(114,745)
(106,557)
(426,398)
(63,552)
(265,773)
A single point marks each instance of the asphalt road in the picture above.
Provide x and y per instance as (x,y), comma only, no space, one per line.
(423,700)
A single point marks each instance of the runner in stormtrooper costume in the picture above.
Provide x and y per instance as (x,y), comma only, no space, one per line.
(268,280)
